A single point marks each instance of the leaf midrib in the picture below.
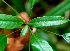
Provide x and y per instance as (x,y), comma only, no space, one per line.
(38,43)
(2,38)
(0,41)
(61,8)
(11,21)
(44,21)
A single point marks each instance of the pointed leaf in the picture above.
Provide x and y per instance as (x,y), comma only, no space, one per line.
(39,44)
(66,36)
(3,42)
(9,21)
(59,9)
(24,30)
(47,21)
(33,1)
(45,36)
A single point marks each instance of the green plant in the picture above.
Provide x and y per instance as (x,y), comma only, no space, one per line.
(51,18)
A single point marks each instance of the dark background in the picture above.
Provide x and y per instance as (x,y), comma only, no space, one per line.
(40,8)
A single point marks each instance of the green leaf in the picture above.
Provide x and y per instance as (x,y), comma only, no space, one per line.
(66,36)
(10,22)
(24,30)
(39,44)
(33,1)
(59,9)
(47,21)
(45,36)
(3,42)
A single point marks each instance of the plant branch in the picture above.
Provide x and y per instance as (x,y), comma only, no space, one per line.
(31,12)
(30,38)
(14,32)
(50,32)
(13,9)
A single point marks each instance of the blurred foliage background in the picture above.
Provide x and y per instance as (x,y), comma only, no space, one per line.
(40,8)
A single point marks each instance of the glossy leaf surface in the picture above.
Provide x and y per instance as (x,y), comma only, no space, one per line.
(45,36)
(3,42)
(47,21)
(10,22)
(66,36)
(24,30)
(59,9)
(33,1)
(39,44)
